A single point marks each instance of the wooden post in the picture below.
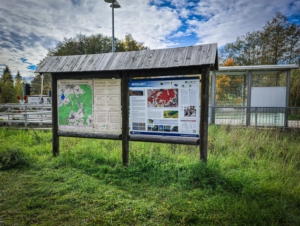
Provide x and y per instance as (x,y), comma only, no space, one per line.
(213,98)
(125,118)
(55,137)
(204,113)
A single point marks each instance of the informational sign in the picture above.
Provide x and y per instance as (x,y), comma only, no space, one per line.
(268,97)
(168,106)
(89,105)
(39,100)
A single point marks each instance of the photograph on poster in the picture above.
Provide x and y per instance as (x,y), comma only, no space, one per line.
(162,97)
(164,106)
(190,111)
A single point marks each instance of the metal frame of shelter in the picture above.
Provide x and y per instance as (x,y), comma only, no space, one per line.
(181,61)
(247,72)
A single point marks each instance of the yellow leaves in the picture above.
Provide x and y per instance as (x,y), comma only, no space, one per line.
(229,62)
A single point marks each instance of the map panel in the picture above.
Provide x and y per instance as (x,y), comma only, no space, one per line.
(75,104)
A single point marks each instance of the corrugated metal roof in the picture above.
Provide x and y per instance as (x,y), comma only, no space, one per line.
(258,68)
(135,60)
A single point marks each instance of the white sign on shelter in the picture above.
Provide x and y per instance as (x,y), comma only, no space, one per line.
(268,97)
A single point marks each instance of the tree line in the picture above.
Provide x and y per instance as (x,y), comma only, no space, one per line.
(10,88)
(277,43)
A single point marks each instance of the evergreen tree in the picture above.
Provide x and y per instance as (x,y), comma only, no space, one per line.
(7,87)
(18,85)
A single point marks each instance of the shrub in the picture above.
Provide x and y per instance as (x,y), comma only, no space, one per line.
(12,158)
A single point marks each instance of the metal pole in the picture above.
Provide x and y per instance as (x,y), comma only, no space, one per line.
(286,116)
(213,98)
(113,29)
(42,81)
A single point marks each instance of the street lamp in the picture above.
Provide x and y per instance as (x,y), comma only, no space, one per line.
(114,4)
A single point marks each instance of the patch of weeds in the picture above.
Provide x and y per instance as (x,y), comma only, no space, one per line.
(12,158)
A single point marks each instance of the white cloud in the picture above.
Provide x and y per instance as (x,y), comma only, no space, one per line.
(30,27)
(228,19)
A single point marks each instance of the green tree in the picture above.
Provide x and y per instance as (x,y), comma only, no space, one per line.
(94,44)
(278,42)
(7,87)
(37,82)
(129,44)
(18,85)
(82,44)
(229,88)
(295,88)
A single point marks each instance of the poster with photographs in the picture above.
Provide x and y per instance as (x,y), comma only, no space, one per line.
(165,106)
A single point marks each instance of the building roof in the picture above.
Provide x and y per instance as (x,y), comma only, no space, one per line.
(284,67)
(135,60)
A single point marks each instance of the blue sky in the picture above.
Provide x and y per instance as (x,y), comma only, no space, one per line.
(30,27)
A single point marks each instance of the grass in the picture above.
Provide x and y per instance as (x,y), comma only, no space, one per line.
(294,117)
(251,178)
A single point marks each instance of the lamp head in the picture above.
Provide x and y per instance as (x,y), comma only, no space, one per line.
(116,5)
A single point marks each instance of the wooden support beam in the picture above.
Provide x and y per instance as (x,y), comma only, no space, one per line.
(90,135)
(165,139)
(55,137)
(204,113)
(125,117)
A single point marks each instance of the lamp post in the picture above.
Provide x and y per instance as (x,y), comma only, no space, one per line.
(114,4)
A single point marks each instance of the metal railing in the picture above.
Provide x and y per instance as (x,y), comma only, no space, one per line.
(256,116)
(41,114)
(25,114)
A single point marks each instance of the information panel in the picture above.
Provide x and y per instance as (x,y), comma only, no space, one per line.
(89,105)
(168,106)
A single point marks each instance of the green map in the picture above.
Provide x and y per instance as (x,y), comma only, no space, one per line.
(75,105)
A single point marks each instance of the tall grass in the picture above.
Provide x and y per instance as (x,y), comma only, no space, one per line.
(251,178)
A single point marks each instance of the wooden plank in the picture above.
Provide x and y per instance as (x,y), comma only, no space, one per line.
(164,59)
(87,62)
(45,65)
(130,60)
(89,135)
(165,139)
(137,58)
(143,60)
(59,63)
(123,64)
(196,56)
(188,56)
(148,60)
(110,61)
(80,62)
(170,58)
(204,113)
(156,58)
(55,137)
(177,57)
(165,71)
(70,63)
(102,64)
(97,61)
(117,61)
(89,75)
